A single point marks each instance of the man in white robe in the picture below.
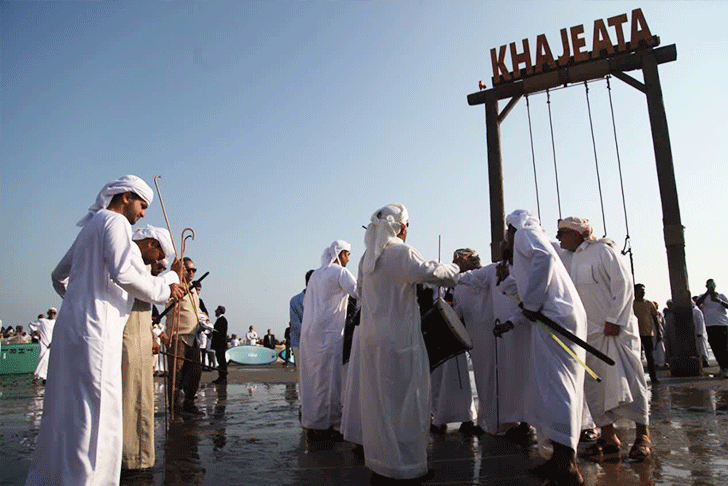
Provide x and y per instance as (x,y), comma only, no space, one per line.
(500,380)
(43,328)
(296,318)
(80,436)
(137,359)
(322,342)
(606,290)
(394,369)
(251,337)
(452,395)
(555,396)
(351,396)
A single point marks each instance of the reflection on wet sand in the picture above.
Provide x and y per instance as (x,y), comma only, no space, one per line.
(249,434)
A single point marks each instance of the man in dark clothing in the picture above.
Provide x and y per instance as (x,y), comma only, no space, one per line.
(219,344)
(269,340)
(287,353)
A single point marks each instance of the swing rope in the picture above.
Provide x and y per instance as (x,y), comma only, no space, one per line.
(627,241)
(553,149)
(533,158)
(596,160)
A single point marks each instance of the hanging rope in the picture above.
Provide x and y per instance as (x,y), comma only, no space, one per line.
(596,160)
(553,148)
(627,243)
(533,158)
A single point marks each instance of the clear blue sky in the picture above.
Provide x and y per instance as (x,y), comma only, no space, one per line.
(280,126)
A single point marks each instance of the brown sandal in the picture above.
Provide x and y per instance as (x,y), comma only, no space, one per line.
(596,448)
(642,448)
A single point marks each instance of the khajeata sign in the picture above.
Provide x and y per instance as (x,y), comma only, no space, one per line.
(573,47)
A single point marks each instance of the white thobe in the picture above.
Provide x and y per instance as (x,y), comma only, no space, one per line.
(606,290)
(322,346)
(80,436)
(452,395)
(555,397)
(160,361)
(500,384)
(45,328)
(251,338)
(701,333)
(395,370)
(351,395)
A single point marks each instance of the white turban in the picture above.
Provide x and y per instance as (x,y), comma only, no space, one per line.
(331,254)
(383,229)
(159,234)
(53,309)
(584,228)
(522,219)
(127,183)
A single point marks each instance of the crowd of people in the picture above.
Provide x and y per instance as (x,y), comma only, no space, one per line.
(559,315)
(377,390)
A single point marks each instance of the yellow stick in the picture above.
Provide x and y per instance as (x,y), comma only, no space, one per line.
(566,348)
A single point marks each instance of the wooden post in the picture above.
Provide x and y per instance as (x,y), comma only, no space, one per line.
(495,175)
(684,360)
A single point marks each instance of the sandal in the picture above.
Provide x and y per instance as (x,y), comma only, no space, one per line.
(641,449)
(596,448)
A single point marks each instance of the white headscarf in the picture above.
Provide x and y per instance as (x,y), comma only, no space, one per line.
(331,254)
(159,234)
(127,183)
(382,230)
(584,228)
(522,219)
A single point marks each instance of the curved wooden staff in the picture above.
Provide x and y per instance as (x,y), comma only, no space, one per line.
(170,396)
(184,238)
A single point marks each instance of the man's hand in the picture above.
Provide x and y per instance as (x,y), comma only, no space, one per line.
(530,315)
(177,292)
(178,267)
(164,338)
(500,329)
(156,348)
(611,329)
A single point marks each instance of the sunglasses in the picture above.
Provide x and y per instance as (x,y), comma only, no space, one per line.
(192,270)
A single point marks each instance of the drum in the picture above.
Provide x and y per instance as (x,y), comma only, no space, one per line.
(445,336)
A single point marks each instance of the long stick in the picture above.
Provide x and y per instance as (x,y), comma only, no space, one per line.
(574,338)
(573,355)
(206,367)
(497,390)
(567,334)
(170,396)
(192,285)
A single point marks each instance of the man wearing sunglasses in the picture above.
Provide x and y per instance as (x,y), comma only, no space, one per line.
(182,329)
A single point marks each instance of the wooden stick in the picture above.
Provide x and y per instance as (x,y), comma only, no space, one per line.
(192,285)
(206,367)
(170,396)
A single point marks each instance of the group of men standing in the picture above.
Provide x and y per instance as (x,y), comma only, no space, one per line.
(98,410)
(93,419)
(381,398)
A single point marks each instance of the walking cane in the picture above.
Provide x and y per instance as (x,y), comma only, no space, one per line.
(497,390)
(170,396)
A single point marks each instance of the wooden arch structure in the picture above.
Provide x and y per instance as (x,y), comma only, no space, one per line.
(604,60)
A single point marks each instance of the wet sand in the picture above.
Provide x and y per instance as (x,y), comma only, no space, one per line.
(249,434)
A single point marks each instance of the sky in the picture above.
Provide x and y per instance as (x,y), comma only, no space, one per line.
(278,127)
